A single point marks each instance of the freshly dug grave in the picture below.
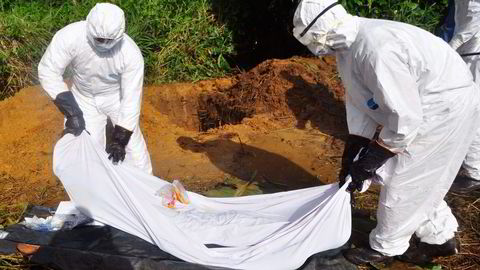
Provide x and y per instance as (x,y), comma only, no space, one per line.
(281,123)
(306,90)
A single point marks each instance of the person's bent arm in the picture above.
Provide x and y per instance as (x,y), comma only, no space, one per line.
(395,105)
(55,60)
(396,98)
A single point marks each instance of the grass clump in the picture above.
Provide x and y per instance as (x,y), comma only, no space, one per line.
(11,214)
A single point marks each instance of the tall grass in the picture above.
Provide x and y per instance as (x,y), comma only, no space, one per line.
(179,39)
(182,40)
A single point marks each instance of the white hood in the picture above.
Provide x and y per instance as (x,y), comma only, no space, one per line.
(106,21)
(333,31)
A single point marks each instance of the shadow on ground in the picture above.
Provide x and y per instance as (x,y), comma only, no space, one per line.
(252,164)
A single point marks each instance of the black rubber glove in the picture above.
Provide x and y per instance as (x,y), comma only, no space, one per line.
(371,158)
(116,148)
(353,145)
(67,104)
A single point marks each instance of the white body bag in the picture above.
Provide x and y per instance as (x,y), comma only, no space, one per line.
(272,231)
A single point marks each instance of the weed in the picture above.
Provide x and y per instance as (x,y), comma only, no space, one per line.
(13,261)
(11,214)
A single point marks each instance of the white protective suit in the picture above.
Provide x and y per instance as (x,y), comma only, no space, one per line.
(466,40)
(107,78)
(414,85)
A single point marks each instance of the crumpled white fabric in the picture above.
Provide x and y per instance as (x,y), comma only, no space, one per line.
(272,231)
(66,217)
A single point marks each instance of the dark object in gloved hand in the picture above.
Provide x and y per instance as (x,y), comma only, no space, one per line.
(116,148)
(67,104)
(370,159)
(353,145)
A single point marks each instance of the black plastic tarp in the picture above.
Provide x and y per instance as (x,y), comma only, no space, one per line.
(94,247)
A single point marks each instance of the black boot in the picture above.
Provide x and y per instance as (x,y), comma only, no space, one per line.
(424,253)
(464,184)
(451,247)
(361,256)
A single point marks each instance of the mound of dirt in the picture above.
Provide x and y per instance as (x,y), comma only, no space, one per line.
(281,123)
(299,88)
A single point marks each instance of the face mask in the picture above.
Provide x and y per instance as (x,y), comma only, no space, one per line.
(320,49)
(304,31)
(314,40)
(103,45)
(317,43)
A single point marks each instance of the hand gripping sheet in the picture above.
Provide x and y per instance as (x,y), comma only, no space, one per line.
(272,231)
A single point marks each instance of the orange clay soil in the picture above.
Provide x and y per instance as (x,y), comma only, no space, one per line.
(280,123)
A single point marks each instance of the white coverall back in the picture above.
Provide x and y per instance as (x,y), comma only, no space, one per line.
(422,93)
(466,39)
(105,84)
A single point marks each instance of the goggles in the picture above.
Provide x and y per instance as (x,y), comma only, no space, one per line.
(302,36)
(103,40)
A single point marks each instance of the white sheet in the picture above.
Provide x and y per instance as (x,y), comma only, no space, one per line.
(272,231)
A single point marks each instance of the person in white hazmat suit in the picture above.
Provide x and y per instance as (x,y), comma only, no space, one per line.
(108,70)
(466,40)
(421,94)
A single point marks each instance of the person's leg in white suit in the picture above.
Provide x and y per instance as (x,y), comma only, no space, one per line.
(96,110)
(468,179)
